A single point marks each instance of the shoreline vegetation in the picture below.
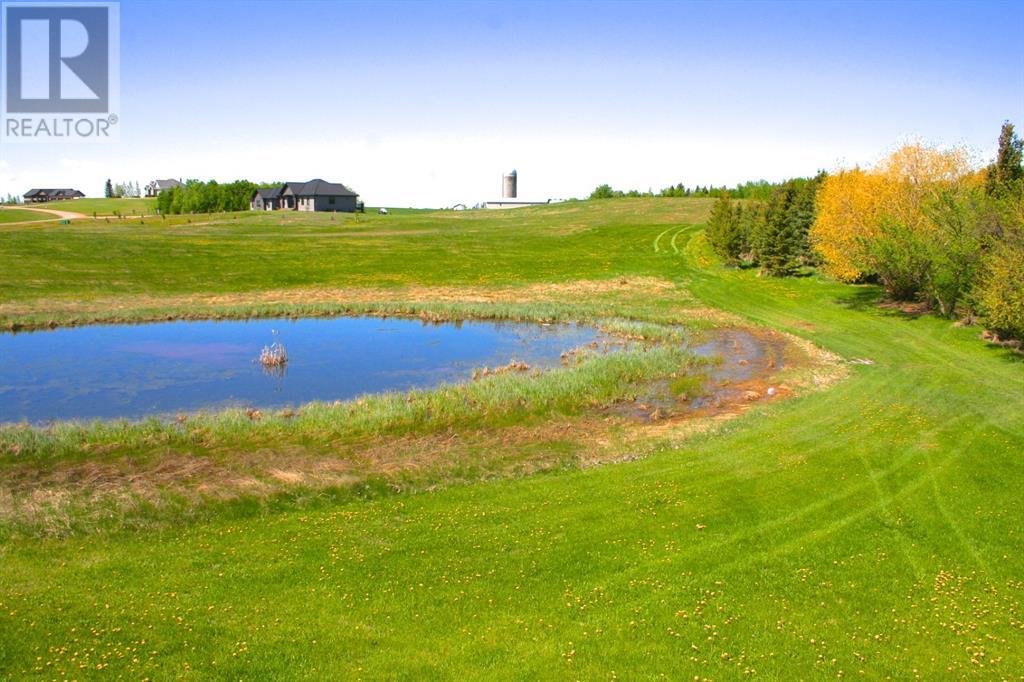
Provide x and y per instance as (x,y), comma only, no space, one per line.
(377,304)
(590,382)
(74,478)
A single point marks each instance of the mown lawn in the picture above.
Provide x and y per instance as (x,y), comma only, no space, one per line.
(872,529)
(247,252)
(18,215)
(124,206)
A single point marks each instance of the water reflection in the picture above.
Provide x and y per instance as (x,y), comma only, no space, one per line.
(161,369)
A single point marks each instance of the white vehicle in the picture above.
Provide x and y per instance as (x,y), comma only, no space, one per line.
(382,211)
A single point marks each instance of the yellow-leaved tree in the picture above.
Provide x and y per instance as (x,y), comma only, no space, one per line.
(848,212)
(853,204)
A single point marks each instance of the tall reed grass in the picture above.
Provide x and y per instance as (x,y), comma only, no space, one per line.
(492,401)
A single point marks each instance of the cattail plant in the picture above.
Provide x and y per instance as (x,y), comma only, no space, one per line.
(274,356)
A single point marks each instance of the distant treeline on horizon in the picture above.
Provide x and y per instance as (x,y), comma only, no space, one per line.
(760,190)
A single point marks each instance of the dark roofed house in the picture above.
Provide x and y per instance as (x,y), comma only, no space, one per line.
(289,195)
(318,195)
(315,195)
(38,196)
(157,186)
(266,199)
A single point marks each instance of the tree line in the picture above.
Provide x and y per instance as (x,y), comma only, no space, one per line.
(771,234)
(752,189)
(121,190)
(756,189)
(206,197)
(929,228)
(922,223)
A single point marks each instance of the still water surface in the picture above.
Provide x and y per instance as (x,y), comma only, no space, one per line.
(160,369)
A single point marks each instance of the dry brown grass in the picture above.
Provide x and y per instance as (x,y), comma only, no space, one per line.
(639,286)
(143,308)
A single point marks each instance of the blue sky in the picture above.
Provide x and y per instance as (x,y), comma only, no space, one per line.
(426,104)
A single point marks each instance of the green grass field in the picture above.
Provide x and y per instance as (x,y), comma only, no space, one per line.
(88,206)
(18,215)
(285,250)
(871,529)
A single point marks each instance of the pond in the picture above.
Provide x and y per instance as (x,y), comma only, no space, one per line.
(160,369)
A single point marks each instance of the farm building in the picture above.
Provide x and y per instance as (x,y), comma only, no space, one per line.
(157,186)
(315,195)
(38,196)
(510,194)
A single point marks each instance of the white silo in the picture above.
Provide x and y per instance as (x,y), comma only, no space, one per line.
(508,186)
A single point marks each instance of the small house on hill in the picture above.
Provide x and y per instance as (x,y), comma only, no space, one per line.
(38,196)
(157,186)
(315,195)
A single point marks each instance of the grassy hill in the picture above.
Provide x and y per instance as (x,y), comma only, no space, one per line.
(88,206)
(243,252)
(870,529)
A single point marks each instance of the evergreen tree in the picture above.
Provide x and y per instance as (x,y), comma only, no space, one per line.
(750,220)
(108,189)
(776,242)
(1007,172)
(718,226)
(802,211)
(779,238)
(725,230)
